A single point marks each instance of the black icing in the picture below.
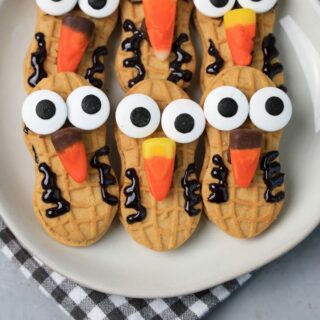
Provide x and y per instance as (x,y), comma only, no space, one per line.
(105,176)
(132,44)
(191,193)
(52,193)
(272,176)
(37,61)
(218,64)
(133,199)
(176,71)
(219,191)
(270,52)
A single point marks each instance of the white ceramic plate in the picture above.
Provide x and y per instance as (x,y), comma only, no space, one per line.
(118,265)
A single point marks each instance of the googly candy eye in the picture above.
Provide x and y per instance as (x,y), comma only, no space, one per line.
(270,109)
(99,8)
(44,112)
(56,7)
(183,121)
(226,108)
(214,8)
(88,108)
(138,116)
(259,6)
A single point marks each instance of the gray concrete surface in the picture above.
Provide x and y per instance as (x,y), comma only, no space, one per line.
(287,289)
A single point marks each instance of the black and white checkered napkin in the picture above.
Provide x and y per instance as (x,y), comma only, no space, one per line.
(82,303)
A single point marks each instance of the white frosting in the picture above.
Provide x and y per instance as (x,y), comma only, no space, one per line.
(213,115)
(56,8)
(259,115)
(34,122)
(110,7)
(126,107)
(258,6)
(78,117)
(176,108)
(208,9)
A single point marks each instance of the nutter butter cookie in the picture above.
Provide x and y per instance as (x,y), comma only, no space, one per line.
(237,33)
(155,42)
(242,181)
(158,127)
(70,36)
(76,192)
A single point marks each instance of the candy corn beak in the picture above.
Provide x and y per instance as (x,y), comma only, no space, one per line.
(240,26)
(160,18)
(74,39)
(159,158)
(245,151)
(71,152)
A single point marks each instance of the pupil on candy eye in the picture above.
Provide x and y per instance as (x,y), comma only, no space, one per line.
(219,3)
(274,106)
(45,109)
(91,104)
(184,123)
(97,4)
(228,107)
(140,117)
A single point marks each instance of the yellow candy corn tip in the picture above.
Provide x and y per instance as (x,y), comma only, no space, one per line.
(239,17)
(159,147)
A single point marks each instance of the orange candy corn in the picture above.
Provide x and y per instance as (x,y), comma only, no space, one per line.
(240,26)
(74,39)
(159,158)
(160,17)
(244,165)
(71,152)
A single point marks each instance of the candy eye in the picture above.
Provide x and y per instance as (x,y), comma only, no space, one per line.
(259,6)
(99,8)
(183,121)
(226,108)
(44,112)
(88,108)
(270,109)
(138,116)
(214,8)
(56,7)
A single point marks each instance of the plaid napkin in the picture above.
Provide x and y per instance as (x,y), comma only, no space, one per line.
(83,303)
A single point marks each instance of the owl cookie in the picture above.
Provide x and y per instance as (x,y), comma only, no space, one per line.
(238,33)
(157,131)
(155,42)
(242,183)
(76,192)
(70,36)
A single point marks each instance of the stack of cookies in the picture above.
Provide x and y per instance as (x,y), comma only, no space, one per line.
(159,197)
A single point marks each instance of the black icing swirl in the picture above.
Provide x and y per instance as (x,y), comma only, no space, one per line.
(219,191)
(132,44)
(272,176)
(133,199)
(52,194)
(191,191)
(37,61)
(97,66)
(218,64)
(105,177)
(176,72)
